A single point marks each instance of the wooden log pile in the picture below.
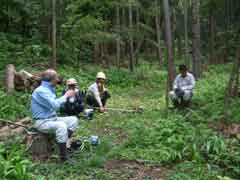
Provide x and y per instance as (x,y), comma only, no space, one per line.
(20,81)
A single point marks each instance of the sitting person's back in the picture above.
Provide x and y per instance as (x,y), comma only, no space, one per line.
(73,105)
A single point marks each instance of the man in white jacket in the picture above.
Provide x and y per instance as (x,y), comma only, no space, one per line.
(182,88)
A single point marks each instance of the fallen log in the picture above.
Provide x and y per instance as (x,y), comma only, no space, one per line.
(38,144)
(13,128)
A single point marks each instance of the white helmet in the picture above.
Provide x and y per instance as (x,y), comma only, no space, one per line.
(71,81)
(101,75)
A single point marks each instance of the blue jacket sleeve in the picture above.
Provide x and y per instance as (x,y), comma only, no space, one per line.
(49,101)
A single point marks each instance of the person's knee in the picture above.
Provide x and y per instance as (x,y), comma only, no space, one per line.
(187,96)
(61,132)
(73,123)
(172,95)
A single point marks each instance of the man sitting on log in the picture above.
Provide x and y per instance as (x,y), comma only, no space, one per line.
(44,105)
(74,105)
(97,94)
(182,88)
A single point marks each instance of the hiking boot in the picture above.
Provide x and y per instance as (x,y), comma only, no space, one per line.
(63,155)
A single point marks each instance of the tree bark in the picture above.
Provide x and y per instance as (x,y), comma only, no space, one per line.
(232,88)
(187,61)
(170,62)
(118,46)
(138,31)
(131,60)
(212,36)
(196,53)
(158,32)
(124,24)
(168,34)
(54,40)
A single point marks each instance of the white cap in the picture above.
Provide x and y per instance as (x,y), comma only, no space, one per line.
(71,81)
(101,75)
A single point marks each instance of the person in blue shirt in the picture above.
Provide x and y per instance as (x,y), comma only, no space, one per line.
(44,106)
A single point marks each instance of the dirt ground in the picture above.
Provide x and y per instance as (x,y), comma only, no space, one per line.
(134,170)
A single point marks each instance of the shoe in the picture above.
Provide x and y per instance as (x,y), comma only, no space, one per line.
(64,159)
(76,144)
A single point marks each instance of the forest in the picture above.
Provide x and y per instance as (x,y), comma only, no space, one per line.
(139,45)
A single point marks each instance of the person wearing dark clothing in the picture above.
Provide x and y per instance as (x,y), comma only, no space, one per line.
(73,105)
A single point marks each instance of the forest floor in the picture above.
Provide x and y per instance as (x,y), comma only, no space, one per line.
(190,144)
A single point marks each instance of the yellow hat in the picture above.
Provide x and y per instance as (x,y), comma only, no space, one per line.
(101,75)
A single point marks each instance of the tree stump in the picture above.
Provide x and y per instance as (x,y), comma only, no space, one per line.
(40,146)
(9,78)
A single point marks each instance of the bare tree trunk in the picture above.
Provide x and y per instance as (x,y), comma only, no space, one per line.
(196,53)
(212,36)
(9,78)
(158,32)
(187,61)
(232,88)
(131,65)
(54,40)
(124,24)
(118,46)
(138,31)
(170,62)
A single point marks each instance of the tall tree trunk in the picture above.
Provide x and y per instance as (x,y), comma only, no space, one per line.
(158,32)
(54,40)
(187,61)
(232,88)
(7,18)
(118,46)
(170,62)
(196,53)
(168,34)
(124,24)
(138,31)
(212,36)
(131,62)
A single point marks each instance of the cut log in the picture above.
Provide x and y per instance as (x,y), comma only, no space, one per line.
(9,78)
(26,81)
(40,146)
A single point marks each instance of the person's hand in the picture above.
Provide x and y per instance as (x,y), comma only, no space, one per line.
(70,93)
(102,109)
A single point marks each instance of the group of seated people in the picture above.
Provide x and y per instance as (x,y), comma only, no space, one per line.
(44,104)
(96,96)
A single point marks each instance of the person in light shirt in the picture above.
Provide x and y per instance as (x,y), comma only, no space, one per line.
(97,94)
(44,107)
(183,86)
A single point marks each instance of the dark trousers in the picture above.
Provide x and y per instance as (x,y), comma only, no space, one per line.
(91,101)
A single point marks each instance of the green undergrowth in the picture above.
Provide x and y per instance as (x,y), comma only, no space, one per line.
(183,141)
